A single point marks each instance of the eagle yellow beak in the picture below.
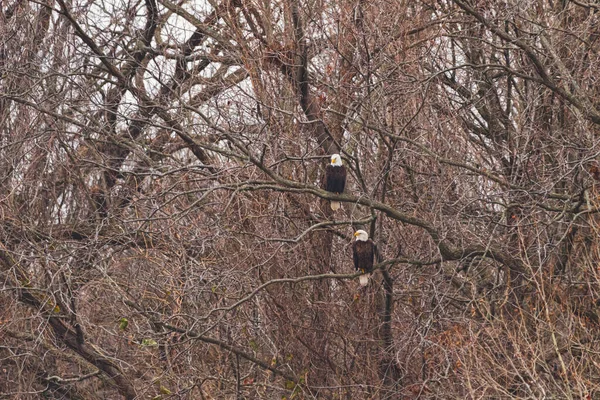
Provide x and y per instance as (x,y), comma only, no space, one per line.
(355,234)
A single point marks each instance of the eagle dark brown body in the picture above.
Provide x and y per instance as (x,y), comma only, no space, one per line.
(335,179)
(364,255)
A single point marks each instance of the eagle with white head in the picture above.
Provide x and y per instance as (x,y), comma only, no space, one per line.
(364,250)
(335,178)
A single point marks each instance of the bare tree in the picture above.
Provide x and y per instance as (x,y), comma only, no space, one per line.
(164,232)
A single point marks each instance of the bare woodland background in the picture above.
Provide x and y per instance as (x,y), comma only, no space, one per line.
(163,233)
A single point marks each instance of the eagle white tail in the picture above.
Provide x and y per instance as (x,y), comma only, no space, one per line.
(335,205)
(364,279)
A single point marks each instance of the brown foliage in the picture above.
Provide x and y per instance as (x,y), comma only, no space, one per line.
(163,233)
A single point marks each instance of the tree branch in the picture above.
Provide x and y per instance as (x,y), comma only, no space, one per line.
(585,107)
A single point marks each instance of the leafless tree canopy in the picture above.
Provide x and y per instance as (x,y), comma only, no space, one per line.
(164,232)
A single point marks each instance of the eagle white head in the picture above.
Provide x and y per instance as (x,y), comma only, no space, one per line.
(361,235)
(336,160)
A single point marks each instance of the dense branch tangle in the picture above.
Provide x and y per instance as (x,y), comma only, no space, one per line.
(164,226)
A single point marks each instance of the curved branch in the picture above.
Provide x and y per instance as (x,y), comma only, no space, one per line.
(65,334)
(474,169)
(281,280)
(234,349)
(317,226)
(448,252)
(581,103)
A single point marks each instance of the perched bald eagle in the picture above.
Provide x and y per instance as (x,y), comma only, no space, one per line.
(364,250)
(335,178)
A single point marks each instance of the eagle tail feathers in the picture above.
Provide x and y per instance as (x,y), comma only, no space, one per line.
(335,205)
(364,279)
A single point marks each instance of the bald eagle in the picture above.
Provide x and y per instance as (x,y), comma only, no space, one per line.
(335,178)
(364,250)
